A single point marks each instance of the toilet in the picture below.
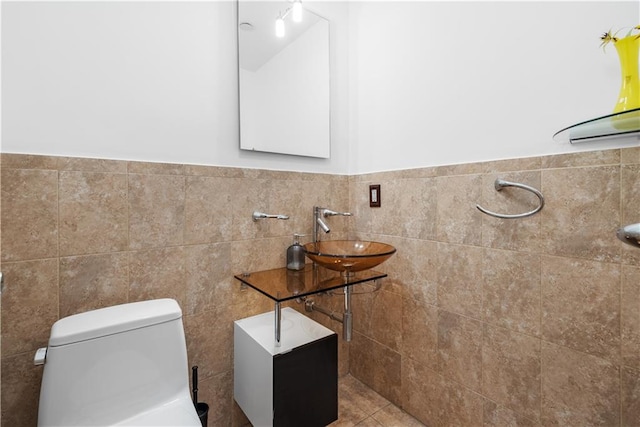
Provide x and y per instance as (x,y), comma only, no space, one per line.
(124,365)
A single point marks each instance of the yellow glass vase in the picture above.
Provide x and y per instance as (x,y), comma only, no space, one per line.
(629,97)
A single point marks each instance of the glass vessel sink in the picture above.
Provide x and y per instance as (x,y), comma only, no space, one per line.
(348,256)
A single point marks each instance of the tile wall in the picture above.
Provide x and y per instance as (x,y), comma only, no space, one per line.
(79,234)
(495,322)
(482,321)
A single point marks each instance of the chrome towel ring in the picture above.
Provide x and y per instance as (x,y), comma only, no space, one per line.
(499,185)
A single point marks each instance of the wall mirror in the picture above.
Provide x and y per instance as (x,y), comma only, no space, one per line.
(284,80)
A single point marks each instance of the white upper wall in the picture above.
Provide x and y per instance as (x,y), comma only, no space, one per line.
(150,81)
(413,83)
(436,83)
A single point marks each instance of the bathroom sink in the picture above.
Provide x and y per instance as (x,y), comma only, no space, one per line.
(348,256)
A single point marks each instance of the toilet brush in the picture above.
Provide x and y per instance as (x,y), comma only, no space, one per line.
(202,409)
(195,385)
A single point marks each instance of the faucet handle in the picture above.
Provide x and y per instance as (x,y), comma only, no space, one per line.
(261,215)
(329,212)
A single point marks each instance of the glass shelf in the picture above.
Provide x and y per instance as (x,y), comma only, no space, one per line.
(281,284)
(615,125)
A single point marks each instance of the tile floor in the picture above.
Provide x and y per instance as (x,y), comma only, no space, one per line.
(360,406)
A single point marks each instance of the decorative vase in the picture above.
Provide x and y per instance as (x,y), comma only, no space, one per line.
(629,98)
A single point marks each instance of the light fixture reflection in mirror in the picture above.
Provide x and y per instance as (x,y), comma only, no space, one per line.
(296,16)
(297,11)
(284,82)
(280,30)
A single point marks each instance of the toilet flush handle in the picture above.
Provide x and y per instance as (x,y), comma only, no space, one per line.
(40,357)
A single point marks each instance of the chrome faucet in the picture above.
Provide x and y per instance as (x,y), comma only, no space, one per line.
(319,223)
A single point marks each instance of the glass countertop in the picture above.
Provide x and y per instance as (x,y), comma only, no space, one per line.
(281,284)
(610,126)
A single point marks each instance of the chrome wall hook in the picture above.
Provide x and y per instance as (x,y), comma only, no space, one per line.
(499,185)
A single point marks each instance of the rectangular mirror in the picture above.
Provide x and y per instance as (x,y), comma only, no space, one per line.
(284,80)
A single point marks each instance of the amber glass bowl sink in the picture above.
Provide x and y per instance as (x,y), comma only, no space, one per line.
(348,256)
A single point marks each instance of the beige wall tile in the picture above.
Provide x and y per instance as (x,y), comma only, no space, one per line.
(386,320)
(459,406)
(420,333)
(258,254)
(459,169)
(365,219)
(366,356)
(93,281)
(93,213)
(582,212)
(630,316)
(460,279)
(92,165)
(293,198)
(213,171)
(408,208)
(151,168)
(585,158)
(581,305)
(29,305)
(414,267)
(158,273)
(412,207)
(578,389)
(209,278)
(495,415)
(29,161)
(460,349)
(361,306)
(249,196)
(217,392)
(630,155)
(511,370)
(156,211)
(630,396)
(20,390)
(436,401)
(29,214)
(421,391)
(207,210)
(511,290)
(458,219)
(523,164)
(376,313)
(210,333)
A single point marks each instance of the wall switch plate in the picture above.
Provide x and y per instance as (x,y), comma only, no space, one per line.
(374,196)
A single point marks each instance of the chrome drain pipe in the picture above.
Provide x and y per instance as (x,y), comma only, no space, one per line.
(310,305)
(347,323)
(345,318)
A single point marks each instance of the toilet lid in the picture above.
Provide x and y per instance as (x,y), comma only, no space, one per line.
(113,320)
(177,413)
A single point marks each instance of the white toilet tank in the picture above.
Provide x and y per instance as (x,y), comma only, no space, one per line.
(121,365)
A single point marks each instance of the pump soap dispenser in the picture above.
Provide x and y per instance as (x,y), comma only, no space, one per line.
(295,254)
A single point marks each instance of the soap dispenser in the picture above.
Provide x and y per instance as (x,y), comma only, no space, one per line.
(295,254)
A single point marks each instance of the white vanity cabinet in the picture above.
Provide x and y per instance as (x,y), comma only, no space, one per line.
(293,384)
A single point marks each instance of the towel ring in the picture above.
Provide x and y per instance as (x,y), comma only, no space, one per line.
(499,185)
